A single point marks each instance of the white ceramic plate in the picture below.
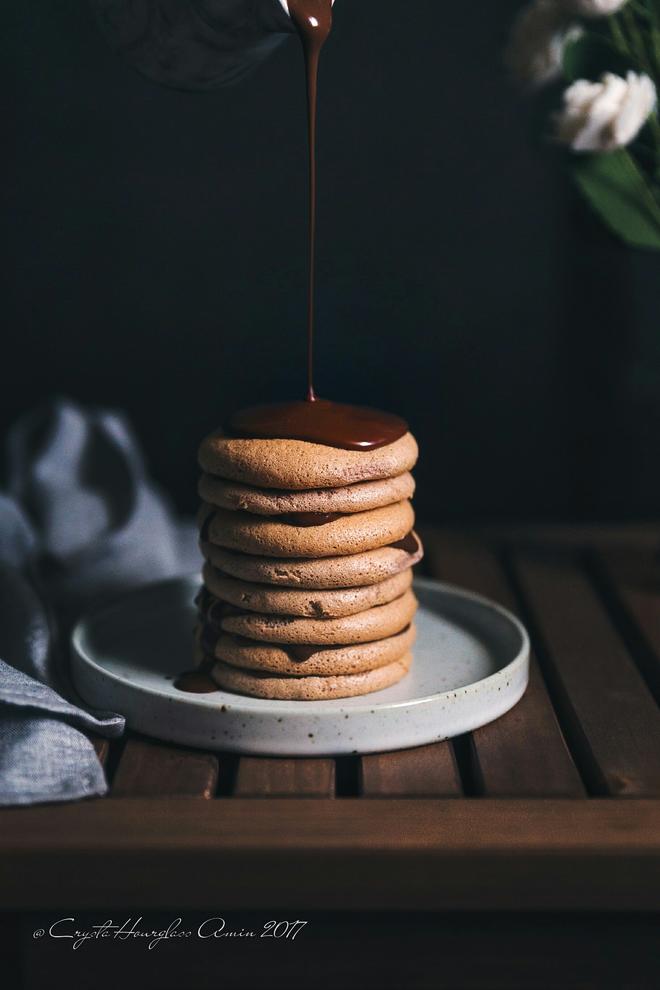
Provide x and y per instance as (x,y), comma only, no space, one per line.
(471,666)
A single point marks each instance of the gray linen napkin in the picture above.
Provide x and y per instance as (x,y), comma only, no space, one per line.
(81,521)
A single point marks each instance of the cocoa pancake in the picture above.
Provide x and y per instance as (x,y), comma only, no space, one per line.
(260,685)
(353,570)
(349,534)
(363,627)
(272,502)
(313,660)
(325,604)
(298,464)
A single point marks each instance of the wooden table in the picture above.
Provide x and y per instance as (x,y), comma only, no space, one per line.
(535,839)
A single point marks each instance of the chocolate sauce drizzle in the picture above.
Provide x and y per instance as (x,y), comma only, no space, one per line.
(313,20)
(316,420)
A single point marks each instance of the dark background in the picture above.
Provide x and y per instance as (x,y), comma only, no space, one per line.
(154,259)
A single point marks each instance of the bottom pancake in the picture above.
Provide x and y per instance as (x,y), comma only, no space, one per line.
(259,685)
(304,661)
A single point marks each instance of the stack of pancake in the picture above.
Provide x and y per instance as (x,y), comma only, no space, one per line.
(308,566)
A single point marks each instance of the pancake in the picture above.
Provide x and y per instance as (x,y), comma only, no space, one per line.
(353,570)
(363,627)
(350,534)
(298,465)
(330,603)
(262,685)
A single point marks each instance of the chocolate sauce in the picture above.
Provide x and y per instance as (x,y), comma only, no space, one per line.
(313,20)
(319,421)
(308,518)
(316,420)
(408,543)
(206,525)
(197,681)
(208,639)
(298,653)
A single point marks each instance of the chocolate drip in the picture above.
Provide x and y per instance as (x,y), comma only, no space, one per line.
(330,423)
(212,610)
(409,543)
(300,653)
(206,525)
(308,518)
(202,599)
(313,20)
(217,611)
(208,639)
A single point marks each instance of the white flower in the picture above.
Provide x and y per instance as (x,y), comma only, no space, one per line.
(602,116)
(595,8)
(538,37)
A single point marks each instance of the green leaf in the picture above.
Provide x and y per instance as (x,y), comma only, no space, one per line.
(617,190)
(590,55)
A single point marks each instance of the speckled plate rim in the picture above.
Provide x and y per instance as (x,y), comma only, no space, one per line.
(92,678)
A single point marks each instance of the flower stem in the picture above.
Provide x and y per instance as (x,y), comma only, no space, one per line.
(618,37)
(654,125)
(637,43)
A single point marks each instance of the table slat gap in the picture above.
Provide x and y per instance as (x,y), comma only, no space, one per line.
(269,777)
(347,776)
(113,756)
(524,753)
(629,582)
(148,768)
(609,716)
(467,762)
(227,772)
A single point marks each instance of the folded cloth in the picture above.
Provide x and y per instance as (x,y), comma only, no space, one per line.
(81,521)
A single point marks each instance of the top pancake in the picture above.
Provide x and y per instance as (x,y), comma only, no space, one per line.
(297,465)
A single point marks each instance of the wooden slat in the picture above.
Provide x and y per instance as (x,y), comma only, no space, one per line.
(566,535)
(524,752)
(258,777)
(427,771)
(610,715)
(152,769)
(301,855)
(633,578)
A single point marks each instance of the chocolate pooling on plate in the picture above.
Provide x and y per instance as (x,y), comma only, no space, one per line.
(198,681)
